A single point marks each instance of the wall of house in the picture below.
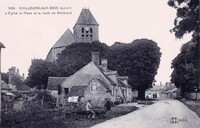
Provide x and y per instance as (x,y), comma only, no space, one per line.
(97,98)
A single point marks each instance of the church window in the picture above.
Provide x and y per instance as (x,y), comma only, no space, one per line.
(87,31)
(82,30)
(91,35)
(90,30)
(86,35)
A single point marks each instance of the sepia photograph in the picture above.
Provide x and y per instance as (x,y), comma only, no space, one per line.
(99,64)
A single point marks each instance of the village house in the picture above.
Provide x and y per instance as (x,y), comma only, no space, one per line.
(168,90)
(92,82)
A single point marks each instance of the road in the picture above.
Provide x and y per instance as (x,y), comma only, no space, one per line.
(162,114)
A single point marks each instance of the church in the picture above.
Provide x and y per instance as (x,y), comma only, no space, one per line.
(86,29)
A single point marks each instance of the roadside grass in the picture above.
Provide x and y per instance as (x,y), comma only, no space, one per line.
(40,118)
(193,105)
(81,121)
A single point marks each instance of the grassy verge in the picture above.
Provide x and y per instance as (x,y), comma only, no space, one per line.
(81,121)
(193,105)
(37,117)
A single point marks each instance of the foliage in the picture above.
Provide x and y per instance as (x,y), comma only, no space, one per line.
(187,17)
(77,55)
(187,64)
(4,77)
(48,100)
(38,73)
(139,60)
(185,73)
(33,116)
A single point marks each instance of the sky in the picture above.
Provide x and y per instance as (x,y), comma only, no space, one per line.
(27,36)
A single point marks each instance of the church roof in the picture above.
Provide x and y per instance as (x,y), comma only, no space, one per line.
(86,17)
(66,39)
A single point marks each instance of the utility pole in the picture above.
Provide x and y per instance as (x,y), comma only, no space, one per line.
(1,46)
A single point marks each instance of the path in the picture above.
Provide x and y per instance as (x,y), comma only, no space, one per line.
(162,114)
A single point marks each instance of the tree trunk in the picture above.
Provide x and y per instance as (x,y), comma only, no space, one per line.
(141,94)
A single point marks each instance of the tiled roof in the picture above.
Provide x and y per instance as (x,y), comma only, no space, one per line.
(53,82)
(77,90)
(86,17)
(121,84)
(23,88)
(104,84)
(5,86)
(110,80)
(85,75)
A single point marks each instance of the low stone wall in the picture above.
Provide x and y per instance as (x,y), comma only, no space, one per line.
(193,96)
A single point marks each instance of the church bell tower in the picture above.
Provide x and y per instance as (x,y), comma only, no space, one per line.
(86,28)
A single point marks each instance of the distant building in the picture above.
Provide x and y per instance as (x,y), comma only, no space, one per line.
(168,90)
(86,29)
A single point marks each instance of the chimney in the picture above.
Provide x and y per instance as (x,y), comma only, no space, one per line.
(95,58)
(104,64)
(11,73)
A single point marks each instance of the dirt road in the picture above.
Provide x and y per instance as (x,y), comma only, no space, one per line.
(162,114)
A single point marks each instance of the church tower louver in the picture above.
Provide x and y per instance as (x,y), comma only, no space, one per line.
(86,28)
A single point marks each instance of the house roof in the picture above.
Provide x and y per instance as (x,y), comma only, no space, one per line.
(23,87)
(121,84)
(5,86)
(86,17)
(109,79)
(105,85)
(66,39)
(77,90)
(85,75)
(53,82)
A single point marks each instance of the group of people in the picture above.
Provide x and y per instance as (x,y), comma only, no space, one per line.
(90,108)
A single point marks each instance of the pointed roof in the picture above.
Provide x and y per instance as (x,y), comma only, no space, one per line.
(66,39)
(86,17)
(85,75)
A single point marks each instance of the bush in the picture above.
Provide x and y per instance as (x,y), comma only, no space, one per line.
(33,116)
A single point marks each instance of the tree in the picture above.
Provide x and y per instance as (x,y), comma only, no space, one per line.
(184,75)
(77,55)
(39,72)
(139,60)
(187,21)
